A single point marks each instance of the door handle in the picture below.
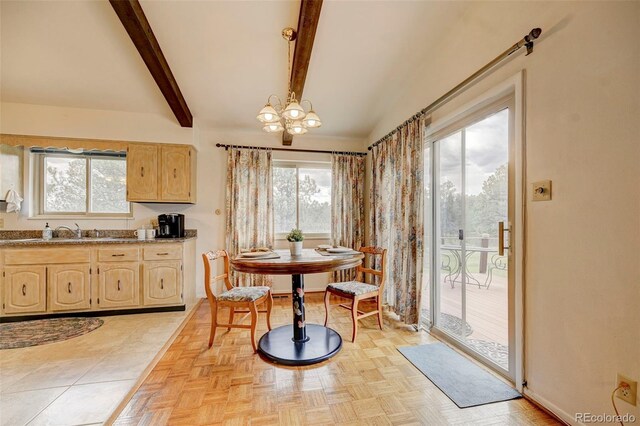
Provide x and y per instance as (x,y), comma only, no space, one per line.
(69,287)
(118,285)
(24,289)
(501,231)
(175,173)
(161,283)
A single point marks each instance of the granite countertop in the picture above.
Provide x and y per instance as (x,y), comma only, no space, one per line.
(34,238)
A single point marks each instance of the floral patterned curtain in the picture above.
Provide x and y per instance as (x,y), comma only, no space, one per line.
(347,205)
(396,216)
(249,221)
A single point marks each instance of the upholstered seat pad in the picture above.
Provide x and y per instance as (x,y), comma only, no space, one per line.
(355,288)
(244,294)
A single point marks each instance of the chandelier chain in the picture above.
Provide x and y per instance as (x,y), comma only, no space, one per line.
(289,70)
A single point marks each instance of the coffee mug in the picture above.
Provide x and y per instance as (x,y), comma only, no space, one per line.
(151,234)
(141,233)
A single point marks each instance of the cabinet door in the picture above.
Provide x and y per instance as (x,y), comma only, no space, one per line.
(142,172)
(25,289)
(69,287)
(175,171)
(162,283)
(118,285)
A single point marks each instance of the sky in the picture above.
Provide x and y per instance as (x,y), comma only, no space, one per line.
(486,144)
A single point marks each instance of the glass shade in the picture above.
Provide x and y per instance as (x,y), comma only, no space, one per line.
(311,120)
(296,128)
(273,127)
(293,111)
(268,114)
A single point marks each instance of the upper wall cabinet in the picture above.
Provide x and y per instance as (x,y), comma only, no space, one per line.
(161,173)
(142,173)
(10,170)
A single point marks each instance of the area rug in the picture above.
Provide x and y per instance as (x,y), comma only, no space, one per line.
(464,382)
(494,351)
(41,332)
(451,323)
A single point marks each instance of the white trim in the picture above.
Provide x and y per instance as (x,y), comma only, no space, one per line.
(513,85)
(553,408)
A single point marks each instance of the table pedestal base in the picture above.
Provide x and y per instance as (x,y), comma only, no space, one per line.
(278,346)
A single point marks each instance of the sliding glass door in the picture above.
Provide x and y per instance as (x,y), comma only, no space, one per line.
(471,209)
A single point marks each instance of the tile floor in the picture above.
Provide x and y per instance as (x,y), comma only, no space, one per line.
(82,380)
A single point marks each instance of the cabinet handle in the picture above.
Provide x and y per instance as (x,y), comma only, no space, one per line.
(24,289)
(175,173)
(161,283)
(162,254)
(117,255)
(69,287)
(118,285)
(141,171)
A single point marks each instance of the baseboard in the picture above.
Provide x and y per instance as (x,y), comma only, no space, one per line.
(105,313)
(288,293)
(550,408)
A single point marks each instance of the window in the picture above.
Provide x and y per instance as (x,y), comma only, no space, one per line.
(86,184)
(302,198)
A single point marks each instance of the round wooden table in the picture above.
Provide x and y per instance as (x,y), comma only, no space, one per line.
(298,343)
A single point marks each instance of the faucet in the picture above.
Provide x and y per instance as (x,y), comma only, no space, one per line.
(76,232)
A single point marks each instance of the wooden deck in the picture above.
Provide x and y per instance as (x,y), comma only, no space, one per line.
(487,309)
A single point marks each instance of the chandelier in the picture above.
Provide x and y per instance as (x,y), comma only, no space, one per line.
(277,116)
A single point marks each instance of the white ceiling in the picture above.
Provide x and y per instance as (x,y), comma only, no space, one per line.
(227,56)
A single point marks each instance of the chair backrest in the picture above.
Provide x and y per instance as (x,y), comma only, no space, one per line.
(212,256)
(362,269)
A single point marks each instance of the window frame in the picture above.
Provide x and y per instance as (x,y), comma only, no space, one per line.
(293,164)
(39,183)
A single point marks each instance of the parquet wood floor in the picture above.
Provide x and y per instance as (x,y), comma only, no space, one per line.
(368,382)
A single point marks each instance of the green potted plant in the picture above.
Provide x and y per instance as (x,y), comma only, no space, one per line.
(295,239)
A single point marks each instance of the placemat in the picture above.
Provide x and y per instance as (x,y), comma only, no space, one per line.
(273,255)
(348,253)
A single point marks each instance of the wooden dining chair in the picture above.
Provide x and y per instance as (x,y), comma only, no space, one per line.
(239,300)
(359,290)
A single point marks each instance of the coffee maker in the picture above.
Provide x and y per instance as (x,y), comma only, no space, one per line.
(171,225)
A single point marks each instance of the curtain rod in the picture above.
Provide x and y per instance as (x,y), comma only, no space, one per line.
(315,151)
(526,41)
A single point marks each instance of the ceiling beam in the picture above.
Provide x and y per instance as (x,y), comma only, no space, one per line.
(135,22)
(306,34)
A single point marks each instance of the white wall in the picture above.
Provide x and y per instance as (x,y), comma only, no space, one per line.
(582,125)
(101,124)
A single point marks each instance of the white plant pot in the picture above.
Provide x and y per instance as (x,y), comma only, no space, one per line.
(295,247)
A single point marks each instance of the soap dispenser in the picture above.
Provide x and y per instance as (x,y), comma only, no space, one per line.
(47,233)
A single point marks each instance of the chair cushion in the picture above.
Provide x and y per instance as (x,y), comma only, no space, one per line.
(244,294)
(355,288)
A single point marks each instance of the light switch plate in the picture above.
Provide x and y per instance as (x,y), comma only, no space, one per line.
(541,190)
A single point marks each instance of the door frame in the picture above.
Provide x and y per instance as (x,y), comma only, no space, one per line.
(513,86)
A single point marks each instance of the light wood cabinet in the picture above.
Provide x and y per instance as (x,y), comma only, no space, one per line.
(36,280)
(161,173)
(162,283)
(25,289)
(175,173)
(142,172)
(69,287)
(118,285)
